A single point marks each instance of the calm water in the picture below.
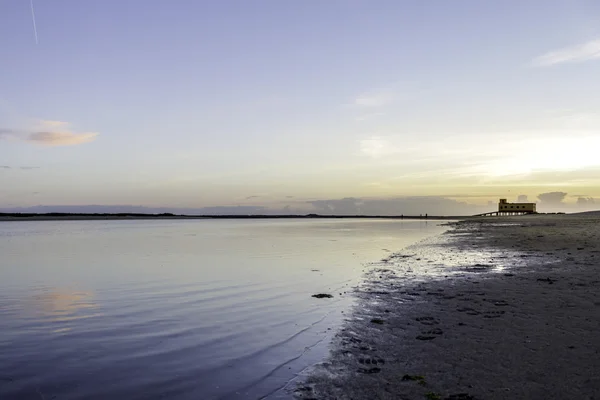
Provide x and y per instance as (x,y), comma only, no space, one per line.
(194,309)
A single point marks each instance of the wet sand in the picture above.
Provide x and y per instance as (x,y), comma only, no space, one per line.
(497,308)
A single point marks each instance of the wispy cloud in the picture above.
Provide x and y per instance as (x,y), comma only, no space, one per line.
(578,53)
(579,120)
(560,150)
(54,124)
(64,138)
(49,133)
(377,146)
(24,168)
(378,98)
(369,116)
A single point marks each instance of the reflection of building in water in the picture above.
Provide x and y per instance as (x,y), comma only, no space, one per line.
(60,305)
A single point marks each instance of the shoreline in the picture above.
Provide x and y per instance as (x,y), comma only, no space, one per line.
(492,309)
(134,217)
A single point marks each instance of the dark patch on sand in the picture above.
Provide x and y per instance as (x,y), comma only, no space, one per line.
(322,296)
(531,333)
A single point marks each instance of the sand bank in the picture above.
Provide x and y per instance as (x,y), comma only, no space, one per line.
(498,308)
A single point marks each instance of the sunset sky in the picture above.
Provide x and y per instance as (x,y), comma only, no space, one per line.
(276,103)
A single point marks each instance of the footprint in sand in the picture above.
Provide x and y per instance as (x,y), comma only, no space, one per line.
(373,370)
(371,361)
(427,320)
(548,280)
(430,335)
(493,314)
(468,311)
(460,396)
(350,340)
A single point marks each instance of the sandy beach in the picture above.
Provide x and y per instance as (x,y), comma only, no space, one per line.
(496,308)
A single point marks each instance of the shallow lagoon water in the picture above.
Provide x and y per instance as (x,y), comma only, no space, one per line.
(186,309)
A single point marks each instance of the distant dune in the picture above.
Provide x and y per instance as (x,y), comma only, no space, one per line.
(590,213)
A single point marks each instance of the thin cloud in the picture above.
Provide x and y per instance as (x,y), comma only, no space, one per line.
(49,133)
(433,205)
(54,124)
(64,138)
(6,133)
(365,117)
(374,99)
(578,53)
(378,146)
(23,168)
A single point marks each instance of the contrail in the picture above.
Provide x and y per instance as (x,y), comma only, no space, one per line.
(33,19)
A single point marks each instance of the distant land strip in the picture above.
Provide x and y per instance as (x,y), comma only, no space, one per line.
(106,216)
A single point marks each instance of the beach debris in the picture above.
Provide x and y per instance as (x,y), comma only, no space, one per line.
(420,379)
(377,321)
(304,391)
(351,339)
(493,314)
(479,267)
(373,370)
(379,292)
(322,296)
(427,320)
(371,360)
(548,280)
(435,294)
(468,311)
(430,335)
(460,396)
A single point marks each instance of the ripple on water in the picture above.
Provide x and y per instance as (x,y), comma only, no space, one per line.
(172,309)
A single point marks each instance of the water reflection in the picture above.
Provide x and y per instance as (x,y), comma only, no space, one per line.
(177,309)
(62,306)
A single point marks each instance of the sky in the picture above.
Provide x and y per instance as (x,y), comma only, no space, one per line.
(298,105)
